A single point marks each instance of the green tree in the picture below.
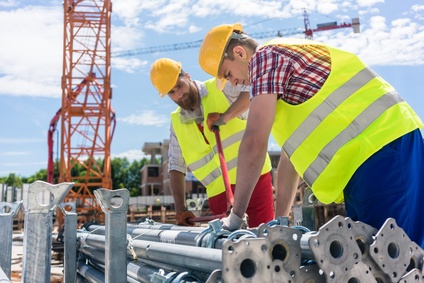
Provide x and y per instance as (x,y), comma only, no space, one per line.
(123,173)
(12,180)
(41,175)
(119,167)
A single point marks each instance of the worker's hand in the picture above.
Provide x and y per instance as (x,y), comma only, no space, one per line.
(234,222)
(182,217)
(214,119)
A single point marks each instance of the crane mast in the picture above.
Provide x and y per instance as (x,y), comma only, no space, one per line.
(87,118)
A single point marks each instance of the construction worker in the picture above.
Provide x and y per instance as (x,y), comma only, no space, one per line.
(194,145)
(342,128)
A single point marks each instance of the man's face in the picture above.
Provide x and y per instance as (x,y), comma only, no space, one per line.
(236,71)
(185,93)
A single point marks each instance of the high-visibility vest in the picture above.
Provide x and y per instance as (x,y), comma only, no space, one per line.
(203,158)
(350,118)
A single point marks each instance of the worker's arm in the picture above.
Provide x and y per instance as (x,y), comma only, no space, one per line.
(240,102)
(177,183)
(252,151)
(177,169)
(239,106)
(287,184)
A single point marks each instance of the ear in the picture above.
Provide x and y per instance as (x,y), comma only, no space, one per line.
(187,75)
(239,52)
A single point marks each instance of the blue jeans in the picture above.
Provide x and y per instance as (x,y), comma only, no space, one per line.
(390,184)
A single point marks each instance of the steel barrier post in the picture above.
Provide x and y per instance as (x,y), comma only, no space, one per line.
(115,205)
(70,242)
(36,264)
(7,212)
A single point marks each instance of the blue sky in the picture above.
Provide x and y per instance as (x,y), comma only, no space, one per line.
(391,41)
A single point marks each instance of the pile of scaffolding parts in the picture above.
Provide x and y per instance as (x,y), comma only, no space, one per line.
(340,251)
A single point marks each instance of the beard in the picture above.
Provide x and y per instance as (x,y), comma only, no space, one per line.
(190,99)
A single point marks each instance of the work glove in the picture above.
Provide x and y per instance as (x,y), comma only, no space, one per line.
(182,217)
(214,119)
(234,222)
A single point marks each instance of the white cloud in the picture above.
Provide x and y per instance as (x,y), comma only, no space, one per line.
(243,8)
(417,8)
(37,71)
(126,37)
(170,17)
(327,7)
(193,29)
(131,155)
(417,11)
(368,3)
(372,11)
(8,3)
(17,85)
(129,65)
(147,118)
(400,42)
(31,53)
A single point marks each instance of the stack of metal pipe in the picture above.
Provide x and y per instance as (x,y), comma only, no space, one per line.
(340,251)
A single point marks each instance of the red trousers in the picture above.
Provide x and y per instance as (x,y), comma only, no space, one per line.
(261,204)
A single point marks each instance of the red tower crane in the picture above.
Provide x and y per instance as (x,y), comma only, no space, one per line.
(87,117)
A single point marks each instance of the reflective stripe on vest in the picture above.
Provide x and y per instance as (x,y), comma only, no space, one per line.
(202,158)
(198,155)
(353,116)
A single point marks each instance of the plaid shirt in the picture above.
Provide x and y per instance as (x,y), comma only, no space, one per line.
(294,72)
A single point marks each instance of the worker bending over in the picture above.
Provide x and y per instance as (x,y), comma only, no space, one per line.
(342,128)
(194,145)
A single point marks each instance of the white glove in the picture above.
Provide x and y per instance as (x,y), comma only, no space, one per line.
(234,222)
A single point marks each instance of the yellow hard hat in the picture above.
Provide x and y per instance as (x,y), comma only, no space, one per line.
(213,47)
(164,75)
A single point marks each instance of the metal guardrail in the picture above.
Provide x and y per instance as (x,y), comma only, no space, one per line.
(340,251)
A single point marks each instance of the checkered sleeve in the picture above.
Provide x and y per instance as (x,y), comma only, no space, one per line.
(295,73)
(176,160)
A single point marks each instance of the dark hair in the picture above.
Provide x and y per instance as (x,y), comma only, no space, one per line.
(239,38)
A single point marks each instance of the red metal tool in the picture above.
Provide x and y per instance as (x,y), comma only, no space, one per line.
(224,170)
(227,184)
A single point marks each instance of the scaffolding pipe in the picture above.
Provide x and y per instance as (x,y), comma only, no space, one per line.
(188,238)
(100,229)
(137,271)
(90,274)
(195,258)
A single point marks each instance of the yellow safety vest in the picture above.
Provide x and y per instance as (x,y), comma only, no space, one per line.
(353,116)
(203,158)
